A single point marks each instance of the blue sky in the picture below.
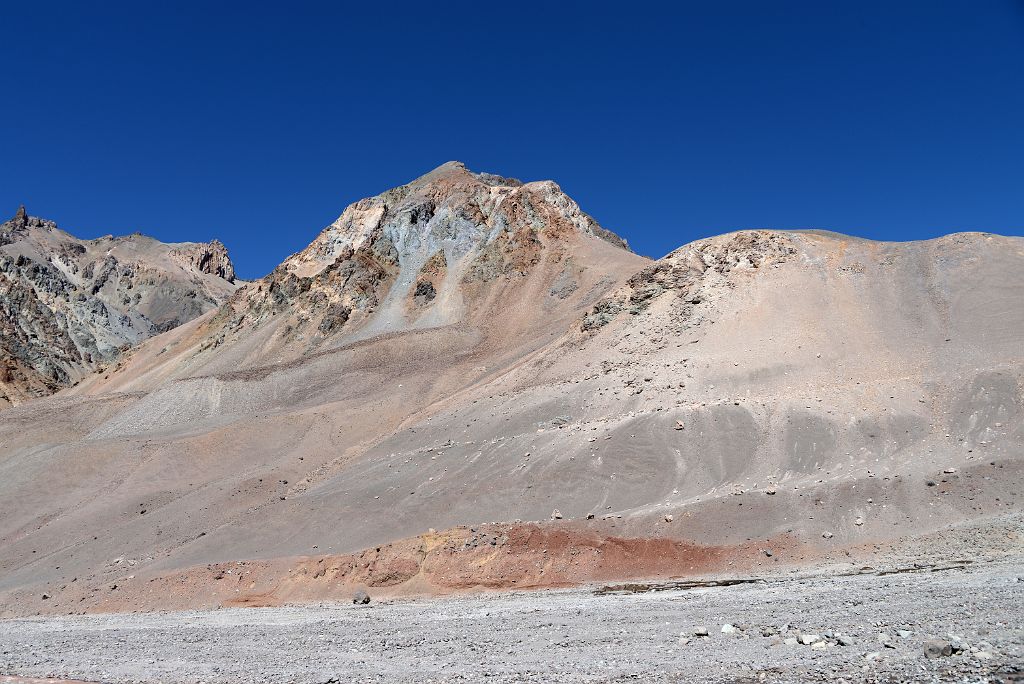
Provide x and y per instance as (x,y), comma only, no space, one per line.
(258,123)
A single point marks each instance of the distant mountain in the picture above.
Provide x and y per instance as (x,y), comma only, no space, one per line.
(69,307)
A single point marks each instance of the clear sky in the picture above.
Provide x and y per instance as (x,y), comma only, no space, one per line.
(258,123)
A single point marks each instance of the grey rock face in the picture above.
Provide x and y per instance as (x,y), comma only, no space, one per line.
(70,306)
(207,257)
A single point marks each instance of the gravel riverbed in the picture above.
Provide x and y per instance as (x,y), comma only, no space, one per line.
(866,627)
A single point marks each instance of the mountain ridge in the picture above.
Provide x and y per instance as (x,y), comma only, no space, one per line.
(72,306)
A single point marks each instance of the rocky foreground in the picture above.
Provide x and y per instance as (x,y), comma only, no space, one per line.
(942,622)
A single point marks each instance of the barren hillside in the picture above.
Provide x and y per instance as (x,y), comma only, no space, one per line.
(469,350)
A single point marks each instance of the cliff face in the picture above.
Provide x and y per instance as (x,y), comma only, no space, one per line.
(206,257)
(69,307)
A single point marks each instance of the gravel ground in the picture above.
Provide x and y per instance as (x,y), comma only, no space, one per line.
(565,636)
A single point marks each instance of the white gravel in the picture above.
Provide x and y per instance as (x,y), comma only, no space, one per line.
(572,636)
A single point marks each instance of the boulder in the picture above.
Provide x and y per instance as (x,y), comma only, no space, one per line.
(937,648)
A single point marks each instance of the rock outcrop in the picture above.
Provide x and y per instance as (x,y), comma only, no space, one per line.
(415,256)
(695,273)
(69,307)
(206,257)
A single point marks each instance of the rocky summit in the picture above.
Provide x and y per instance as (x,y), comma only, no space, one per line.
(432,253)
(466,383)
(69,307)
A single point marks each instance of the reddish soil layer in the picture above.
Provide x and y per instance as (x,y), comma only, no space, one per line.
(489,557)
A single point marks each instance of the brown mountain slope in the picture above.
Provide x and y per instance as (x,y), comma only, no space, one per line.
(456,252)
(70,306)
(792,390)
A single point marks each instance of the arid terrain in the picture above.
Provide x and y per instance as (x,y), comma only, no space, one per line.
(854,625)
(466,384)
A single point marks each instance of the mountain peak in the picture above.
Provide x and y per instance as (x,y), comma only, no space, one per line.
(428,253)
(19,223)
(453,165)
(454,172)
(451,169)
(456,210)
(22,222)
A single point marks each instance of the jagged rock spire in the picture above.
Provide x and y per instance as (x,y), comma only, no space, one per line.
(20,219)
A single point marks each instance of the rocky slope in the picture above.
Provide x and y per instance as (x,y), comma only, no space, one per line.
(468,350)
(69,307)
(450,248)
